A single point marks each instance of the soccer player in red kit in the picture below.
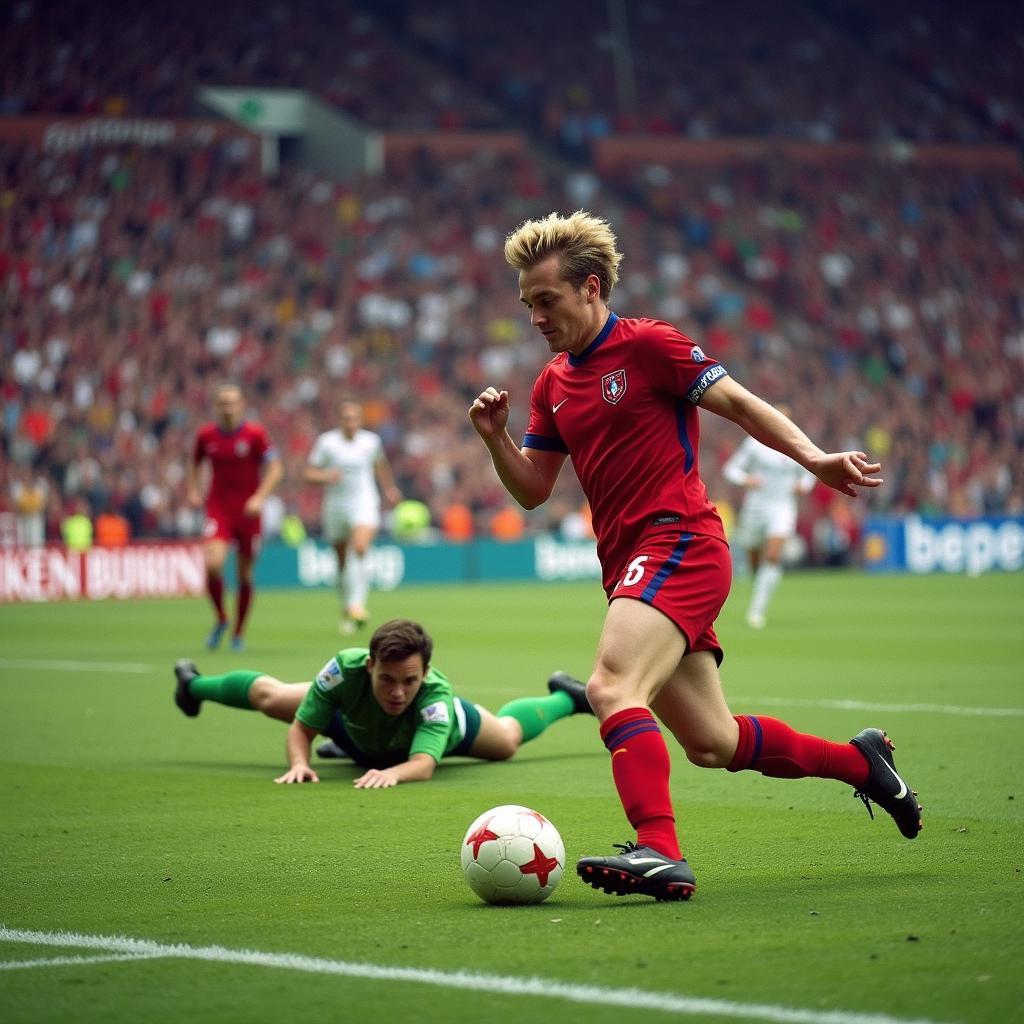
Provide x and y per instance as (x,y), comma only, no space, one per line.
(244,469)
(621,398)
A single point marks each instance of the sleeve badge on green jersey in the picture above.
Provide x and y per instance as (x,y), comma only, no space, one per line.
(329,676)
(437,712)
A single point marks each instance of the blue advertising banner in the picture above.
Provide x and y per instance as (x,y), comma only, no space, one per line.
(970,546)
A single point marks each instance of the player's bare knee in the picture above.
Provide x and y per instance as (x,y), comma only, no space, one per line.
(602,693)
(608,692)
(707,756)
(261,694)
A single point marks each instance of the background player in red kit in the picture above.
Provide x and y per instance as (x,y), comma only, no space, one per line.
(620,398)
(244,469)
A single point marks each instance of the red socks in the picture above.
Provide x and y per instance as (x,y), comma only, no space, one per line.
(244,600)
(215,588)
(775,749)
(640,768)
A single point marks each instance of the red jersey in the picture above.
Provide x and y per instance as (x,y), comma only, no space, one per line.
(235,458)
(625,411)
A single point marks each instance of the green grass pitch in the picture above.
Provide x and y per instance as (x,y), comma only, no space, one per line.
(122,819)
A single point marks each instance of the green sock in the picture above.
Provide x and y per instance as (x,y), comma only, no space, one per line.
(232,688)
(535,714)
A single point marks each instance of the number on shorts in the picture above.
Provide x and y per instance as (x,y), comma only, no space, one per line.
(635,572)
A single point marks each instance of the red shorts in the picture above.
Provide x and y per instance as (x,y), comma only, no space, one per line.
(233,526)
(686,576)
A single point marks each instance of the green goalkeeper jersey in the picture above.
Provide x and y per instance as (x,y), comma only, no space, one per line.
(427,726)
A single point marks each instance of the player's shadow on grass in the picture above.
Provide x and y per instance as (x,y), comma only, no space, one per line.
(229,767)
(565,904)
(333,768)
(449,765)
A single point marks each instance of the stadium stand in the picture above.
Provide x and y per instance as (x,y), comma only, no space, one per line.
(881,296)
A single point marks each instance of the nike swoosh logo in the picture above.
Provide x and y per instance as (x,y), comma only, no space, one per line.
(657,871)
(555,408)
(903,786)
(659,865)
(621,750)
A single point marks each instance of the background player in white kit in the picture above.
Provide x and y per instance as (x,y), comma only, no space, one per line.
(772,482)
(349,463)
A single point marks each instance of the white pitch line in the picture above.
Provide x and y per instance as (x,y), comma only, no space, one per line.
(505,985)
(134,668)
(77,666)
(864,705)
(66,961)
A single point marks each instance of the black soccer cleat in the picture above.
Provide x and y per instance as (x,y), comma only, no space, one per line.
(562,682)
(185,671)
(641,870)
(884,786)
(330,750)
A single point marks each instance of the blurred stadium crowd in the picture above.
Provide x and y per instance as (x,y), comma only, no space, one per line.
(884,301)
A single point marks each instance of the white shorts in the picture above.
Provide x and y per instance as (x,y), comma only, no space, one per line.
(338,520)
(759,522)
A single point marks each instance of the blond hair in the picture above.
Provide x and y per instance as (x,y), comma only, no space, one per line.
(584,243)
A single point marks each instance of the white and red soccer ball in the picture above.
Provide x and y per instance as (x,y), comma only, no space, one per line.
(512,854)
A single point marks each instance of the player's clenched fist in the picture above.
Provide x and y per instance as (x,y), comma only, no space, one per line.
(489,412)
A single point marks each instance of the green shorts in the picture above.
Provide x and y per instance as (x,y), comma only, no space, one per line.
(467,716)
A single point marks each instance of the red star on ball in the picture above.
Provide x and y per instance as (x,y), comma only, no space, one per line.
(540,866)
(482,835)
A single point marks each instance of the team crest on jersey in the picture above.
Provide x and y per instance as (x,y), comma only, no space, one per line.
(613,386)
(241,448)
(435,712)
(329,676)
(697,354)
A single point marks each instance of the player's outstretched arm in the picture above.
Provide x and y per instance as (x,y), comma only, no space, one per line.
(298,745)
(419,768)
(844,471)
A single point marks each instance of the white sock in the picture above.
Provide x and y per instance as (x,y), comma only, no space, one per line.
(765,581)
(357,573)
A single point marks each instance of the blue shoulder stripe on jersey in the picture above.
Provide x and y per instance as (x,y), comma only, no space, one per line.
(670,563)
(684,438)
(545,444)
(596,343)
